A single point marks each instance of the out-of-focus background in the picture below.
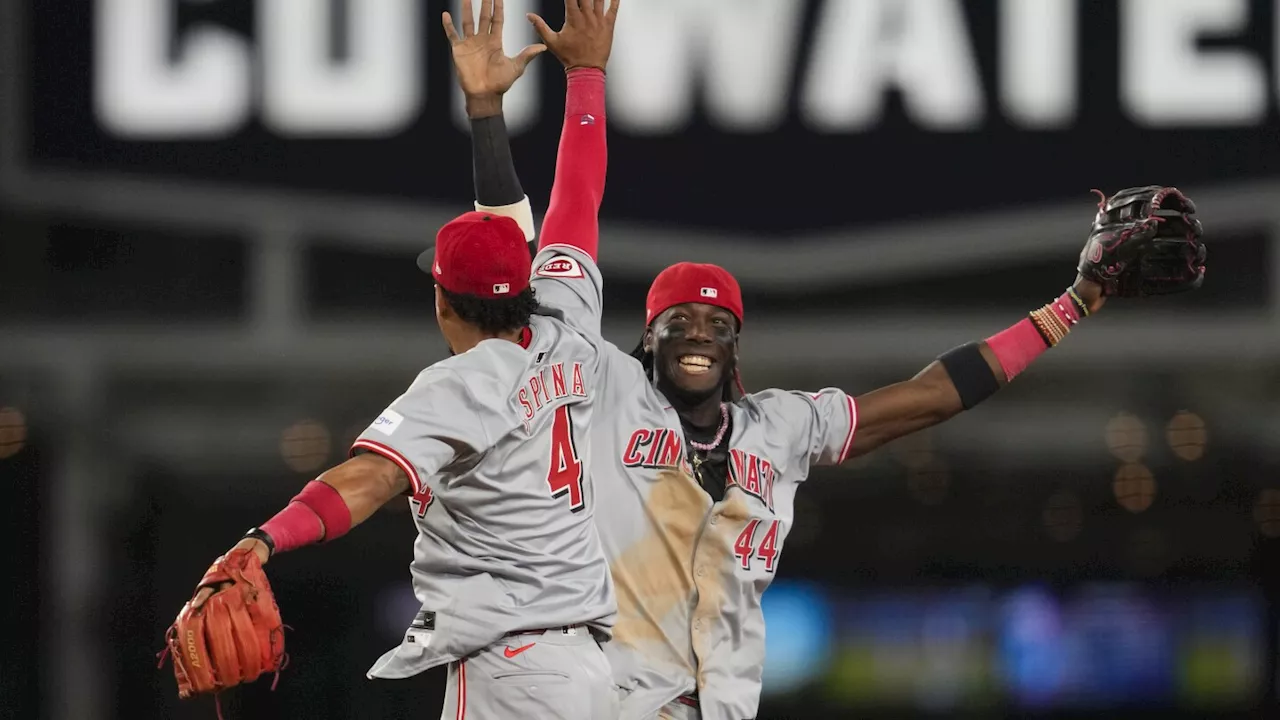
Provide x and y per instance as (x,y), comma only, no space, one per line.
(207,288)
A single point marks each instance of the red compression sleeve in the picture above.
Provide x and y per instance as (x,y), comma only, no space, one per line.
(317,513)
(573,216)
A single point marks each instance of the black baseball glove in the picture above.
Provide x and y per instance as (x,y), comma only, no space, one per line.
(1145,241)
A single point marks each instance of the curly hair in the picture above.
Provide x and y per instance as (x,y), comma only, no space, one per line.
(494,315)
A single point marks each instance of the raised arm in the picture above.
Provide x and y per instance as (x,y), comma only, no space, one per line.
(583,46)
(1145,241)
(967,375)
(485,74)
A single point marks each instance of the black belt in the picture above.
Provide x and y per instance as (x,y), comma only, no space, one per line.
(564,629)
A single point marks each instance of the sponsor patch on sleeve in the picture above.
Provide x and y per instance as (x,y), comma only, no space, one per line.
(560,266)
(387,422)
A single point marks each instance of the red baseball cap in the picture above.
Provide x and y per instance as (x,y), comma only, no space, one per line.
(688,282)
(480,254)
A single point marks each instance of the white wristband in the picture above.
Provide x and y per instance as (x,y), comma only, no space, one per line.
(521,212)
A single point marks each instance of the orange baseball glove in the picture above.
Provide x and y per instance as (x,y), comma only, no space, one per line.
(234,636)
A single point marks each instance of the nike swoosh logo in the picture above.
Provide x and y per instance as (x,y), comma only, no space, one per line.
(512,653)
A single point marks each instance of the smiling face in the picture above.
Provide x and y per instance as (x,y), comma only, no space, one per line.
(695,349)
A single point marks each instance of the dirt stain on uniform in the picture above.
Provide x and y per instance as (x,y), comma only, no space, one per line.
(715,559)
(654,576)
(675,563)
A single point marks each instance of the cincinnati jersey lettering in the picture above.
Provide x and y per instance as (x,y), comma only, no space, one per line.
(752,474)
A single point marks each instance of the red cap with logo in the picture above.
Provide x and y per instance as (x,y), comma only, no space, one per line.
(688,282)
(480,254)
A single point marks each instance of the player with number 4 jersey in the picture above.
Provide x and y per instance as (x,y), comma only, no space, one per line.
(490,446)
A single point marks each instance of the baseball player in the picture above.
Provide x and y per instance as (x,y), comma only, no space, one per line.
(749,453)
(702,477)
(491,447)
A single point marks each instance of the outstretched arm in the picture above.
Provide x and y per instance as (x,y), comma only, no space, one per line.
(967,375)
(326,509)
(1145,241)
(329,506)
(583,46)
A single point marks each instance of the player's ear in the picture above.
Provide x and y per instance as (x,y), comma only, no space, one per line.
(648,339)
(444,310)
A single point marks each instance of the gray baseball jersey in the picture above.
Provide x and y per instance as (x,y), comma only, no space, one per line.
(493,443)
(689,572)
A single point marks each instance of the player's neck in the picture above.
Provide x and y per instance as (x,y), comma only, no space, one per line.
(700,412)
(472,337)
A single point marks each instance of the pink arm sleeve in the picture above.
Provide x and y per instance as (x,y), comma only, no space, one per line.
(572,217)
(1017,346)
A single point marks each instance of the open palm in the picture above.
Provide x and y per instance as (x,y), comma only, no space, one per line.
(481,65)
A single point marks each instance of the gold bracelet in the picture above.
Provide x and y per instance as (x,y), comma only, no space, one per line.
(1035,322)
(1050,325)
(1084,309)
(1040,325)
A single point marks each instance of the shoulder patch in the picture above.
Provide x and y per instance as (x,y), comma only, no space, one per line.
(560,266)
(387,422)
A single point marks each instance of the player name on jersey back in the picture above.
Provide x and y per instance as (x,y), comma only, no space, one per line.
(507,541)
(547,385)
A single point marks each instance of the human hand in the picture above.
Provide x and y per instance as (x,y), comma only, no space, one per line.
(586,39)
(483,70)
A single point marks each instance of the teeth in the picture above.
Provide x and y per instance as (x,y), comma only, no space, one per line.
(695,364)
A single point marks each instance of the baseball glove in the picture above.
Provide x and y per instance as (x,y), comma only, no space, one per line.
(1145,241)
(235,636)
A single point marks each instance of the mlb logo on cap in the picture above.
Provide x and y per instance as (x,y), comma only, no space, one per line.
(481,255)
(693,283)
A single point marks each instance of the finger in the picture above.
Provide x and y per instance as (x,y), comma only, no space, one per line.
(450,30)
(468,19)
(499,17)
(527,55)
(540,26)
(612,15)
(571,10)
(588,7)
(486,17)
(201,597)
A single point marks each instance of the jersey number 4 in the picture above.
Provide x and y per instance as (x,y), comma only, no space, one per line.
(745,546)
(565,474)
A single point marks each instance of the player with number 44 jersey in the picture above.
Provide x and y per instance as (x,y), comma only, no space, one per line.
(701,477)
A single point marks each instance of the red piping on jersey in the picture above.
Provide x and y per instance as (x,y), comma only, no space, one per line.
(392,455)
(853,425)
(462,689)
(573,215)
(526,337)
